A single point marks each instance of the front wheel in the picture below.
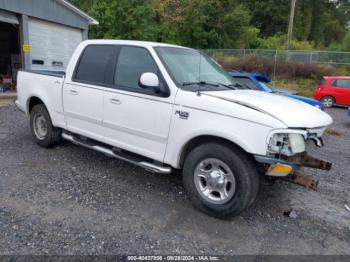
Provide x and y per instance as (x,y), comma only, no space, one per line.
(43,132)
(221,181)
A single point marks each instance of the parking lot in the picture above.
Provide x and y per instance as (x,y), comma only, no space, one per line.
(70,200)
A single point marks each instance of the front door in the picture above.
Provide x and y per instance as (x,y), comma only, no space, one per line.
(136,119)
(83,96)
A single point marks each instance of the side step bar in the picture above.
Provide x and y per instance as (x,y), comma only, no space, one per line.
(146,165)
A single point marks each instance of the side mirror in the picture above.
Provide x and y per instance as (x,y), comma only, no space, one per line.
(149,80)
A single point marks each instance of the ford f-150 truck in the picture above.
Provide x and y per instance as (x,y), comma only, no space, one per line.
(166,108)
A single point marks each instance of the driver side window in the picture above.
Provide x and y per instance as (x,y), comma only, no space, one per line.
(132,63)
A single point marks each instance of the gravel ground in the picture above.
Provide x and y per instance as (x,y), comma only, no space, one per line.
(6,102)
(70,200)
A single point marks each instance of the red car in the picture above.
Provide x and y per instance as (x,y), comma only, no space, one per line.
(334,90)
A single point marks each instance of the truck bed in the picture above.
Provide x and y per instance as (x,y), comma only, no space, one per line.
(45,86)
(47,72)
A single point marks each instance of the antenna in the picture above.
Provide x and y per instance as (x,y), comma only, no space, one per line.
(199,68)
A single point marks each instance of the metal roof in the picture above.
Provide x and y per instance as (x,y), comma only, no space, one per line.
(91,20)
(58,11)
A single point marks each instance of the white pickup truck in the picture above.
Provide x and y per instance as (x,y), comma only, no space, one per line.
(165,107)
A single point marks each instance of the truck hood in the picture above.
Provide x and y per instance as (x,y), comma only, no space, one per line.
(291,112)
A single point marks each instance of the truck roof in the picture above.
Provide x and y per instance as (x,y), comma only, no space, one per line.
(130,42)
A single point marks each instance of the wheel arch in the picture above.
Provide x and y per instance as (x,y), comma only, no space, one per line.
(202,139)
(36,100)
(33,101)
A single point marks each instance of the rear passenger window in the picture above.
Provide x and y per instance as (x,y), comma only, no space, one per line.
(132,63)
(93,64)
(343,83)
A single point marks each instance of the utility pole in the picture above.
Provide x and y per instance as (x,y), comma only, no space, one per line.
(291,21)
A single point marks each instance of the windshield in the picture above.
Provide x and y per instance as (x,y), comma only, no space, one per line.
(190,69)
(266,87)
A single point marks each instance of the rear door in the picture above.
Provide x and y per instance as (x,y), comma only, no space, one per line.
(83,96)
(136,119)
(341,90)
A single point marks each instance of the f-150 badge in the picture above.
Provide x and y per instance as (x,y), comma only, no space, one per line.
(182,114)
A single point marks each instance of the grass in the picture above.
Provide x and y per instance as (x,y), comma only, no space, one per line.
(304,87)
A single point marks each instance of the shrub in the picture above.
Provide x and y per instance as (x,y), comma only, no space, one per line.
(280,41)
(342,71)
(284,69)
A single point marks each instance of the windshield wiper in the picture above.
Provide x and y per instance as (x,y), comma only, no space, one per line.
(200,83)
(214,84)
(231,86)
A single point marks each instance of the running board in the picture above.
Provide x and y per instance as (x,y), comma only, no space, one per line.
(146,165)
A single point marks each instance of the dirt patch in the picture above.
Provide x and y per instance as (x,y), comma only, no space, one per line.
(334,132)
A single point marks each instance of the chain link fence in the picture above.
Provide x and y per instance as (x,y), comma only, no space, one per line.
(305,57)
(277,61)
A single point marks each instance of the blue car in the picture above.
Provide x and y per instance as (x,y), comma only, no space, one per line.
(262,78)
(349,111)
(260,82)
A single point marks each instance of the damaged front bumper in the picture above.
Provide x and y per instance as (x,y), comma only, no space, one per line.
(289,169)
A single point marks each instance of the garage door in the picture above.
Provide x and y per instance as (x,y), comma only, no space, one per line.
(52,44)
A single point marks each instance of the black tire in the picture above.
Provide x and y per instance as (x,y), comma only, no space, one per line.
(53,134)
(328,101)
(244,171)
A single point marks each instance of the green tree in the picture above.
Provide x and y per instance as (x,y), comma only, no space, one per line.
(204,23)
(270,16)
(318,22)
(303,20)
(321,22)
(168,15)
(84,5)
(221,23)
(123,19)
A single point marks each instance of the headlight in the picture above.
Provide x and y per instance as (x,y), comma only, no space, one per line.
(297,143)
(286,144)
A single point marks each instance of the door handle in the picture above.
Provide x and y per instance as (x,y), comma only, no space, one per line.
(115,101)
(73,92)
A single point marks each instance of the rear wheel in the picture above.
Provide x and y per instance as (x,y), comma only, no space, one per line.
(221,181)
(328,101)
(43,132)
